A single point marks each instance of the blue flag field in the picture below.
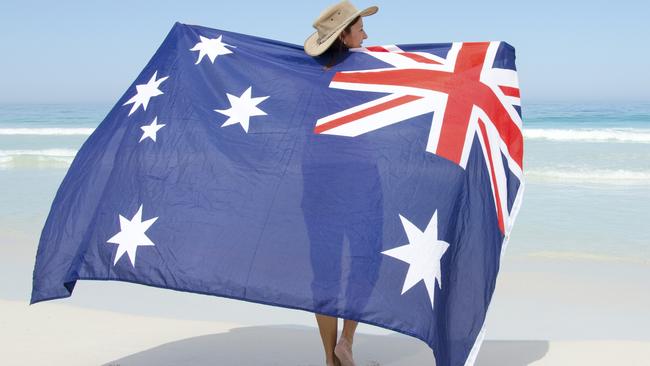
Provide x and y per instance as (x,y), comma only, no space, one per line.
(381,190)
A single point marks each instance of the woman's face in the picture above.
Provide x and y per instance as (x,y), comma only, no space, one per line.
(355,37)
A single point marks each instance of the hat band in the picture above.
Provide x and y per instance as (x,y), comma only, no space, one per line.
(322,40)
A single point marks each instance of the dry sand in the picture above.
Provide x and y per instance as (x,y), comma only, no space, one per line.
(57,334)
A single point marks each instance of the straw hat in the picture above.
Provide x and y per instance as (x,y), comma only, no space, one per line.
(331,23)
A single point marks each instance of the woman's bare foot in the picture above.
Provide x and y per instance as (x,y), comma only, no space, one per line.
(334,361)
(343,351)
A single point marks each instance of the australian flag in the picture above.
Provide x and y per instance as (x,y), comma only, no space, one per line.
(381,190)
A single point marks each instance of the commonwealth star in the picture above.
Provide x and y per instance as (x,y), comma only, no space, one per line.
(131,236)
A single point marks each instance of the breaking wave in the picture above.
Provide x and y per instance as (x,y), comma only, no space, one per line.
(48,158)
(601,176)
(47,131)
(590,135)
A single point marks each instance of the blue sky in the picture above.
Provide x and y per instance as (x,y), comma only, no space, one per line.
(91,51)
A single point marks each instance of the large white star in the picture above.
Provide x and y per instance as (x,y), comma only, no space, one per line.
(151,130)
(422,253)
(131,236)
(211,47)
(145,92)
(242,109)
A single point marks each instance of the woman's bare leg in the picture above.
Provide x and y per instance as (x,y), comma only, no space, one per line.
(349,327)
(328,327)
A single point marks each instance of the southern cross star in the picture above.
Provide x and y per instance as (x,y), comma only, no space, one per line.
(242,109)
(151,130)
(131,236)
(422,253)
(211,47)
(145,92)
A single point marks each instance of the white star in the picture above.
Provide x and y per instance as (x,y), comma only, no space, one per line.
(242,109)
(423,254)
(146,92)
(131,236)
(150,130)
(211,47)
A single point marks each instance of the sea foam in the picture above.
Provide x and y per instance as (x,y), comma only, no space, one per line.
(56,158)
(47,131)
(599,176)
(590,135)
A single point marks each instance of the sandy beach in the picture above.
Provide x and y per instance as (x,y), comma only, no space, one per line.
(548,309)
(54,334)
(541,315)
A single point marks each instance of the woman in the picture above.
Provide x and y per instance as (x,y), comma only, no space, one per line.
(338,28)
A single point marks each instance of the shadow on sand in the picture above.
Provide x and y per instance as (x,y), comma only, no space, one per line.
(300,346)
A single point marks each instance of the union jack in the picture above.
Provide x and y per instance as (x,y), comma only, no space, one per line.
(468,97)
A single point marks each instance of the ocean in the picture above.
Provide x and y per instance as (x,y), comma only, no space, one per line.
(587,169)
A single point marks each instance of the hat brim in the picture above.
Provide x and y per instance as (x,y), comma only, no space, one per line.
(313,48)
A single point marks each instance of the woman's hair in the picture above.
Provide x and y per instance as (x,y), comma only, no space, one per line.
(338,48)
